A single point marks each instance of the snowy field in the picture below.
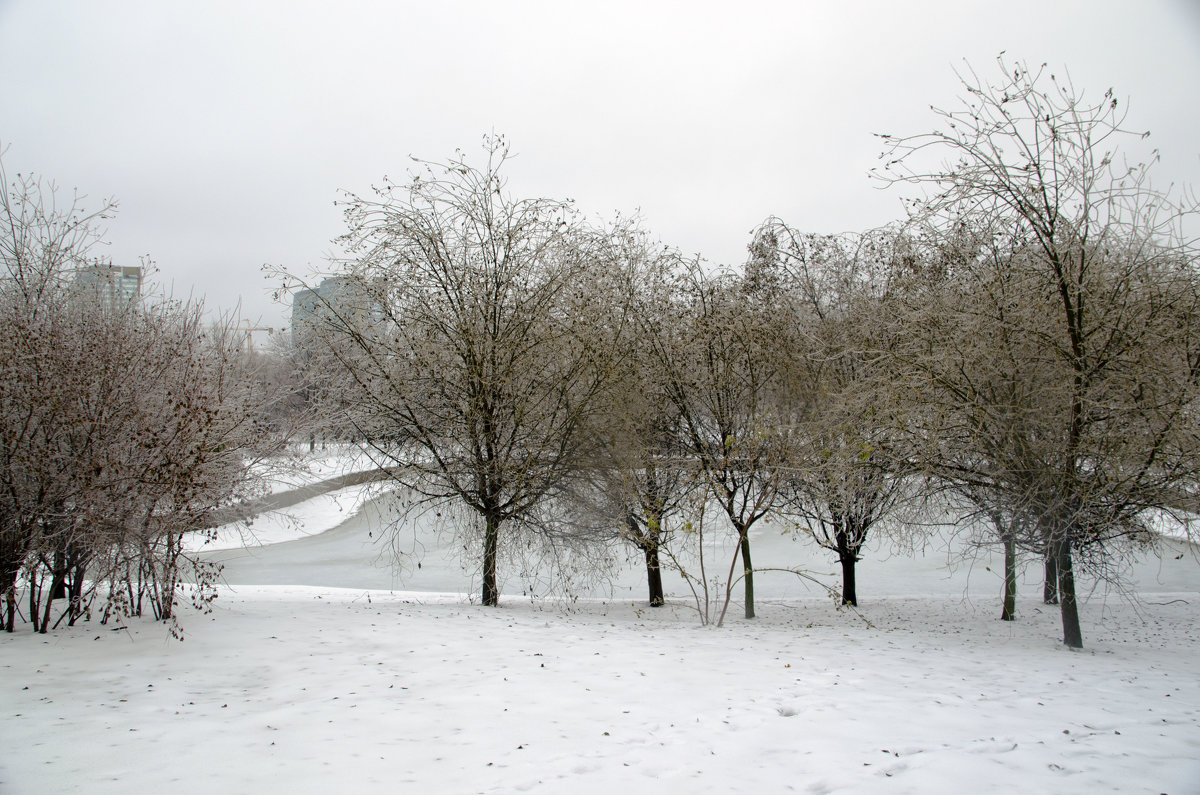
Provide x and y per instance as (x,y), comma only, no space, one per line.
(315,674)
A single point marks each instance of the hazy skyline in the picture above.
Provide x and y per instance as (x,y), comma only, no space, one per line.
(226,131)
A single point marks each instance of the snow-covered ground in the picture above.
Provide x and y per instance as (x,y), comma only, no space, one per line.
(292,689)
(302,686)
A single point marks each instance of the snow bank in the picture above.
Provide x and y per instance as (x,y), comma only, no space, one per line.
(305,469)
(304,519)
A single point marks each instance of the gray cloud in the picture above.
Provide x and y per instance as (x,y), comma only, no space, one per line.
(227,129)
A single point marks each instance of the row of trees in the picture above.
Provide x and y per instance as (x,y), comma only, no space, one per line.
(1023,346)
(123,425)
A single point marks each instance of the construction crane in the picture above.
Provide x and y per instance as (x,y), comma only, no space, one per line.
(249,330)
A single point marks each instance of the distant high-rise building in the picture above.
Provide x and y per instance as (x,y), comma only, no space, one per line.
(112,285)
(338,299)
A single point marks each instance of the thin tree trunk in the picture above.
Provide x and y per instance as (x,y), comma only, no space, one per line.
(149,585)
(135,603)
(56,584)
(170,575)
(11,575)
(1050,585)
(75,593)
(748,571)
(654,575)
(10,603)
(1009,611)
(1072,634)
(34,593)
(491,543)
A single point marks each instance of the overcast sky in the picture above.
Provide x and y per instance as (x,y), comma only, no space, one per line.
(226,130)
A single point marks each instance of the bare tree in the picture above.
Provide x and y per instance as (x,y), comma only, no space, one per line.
(1007,523)
(1060,345)
(41,242)
(643,473)
(122,425)
(847,471)
(475,339)
(720,355)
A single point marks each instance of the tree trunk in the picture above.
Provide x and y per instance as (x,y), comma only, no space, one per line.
(56,586)
(1009,611)
(844,533)
(491,543)
(35,592)
(141,587)
(1072,635)
(59,589)
(654,575)
(1050,585)
(75,593)
(849,585)
(10,603)
(748,571)
(11,573)
(10,570)
(170,576)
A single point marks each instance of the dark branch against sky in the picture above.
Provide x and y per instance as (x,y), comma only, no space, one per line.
(226,130)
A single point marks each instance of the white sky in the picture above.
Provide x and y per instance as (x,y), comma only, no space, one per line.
(226,129)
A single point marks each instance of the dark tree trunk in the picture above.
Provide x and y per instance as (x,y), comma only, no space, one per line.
(35,592)
(849,585)
(1050,585)
(141,588)
(1009,611)
(1072,634)
(491,544)
(75,593)
(11,571)
(849,541)
(646,539)
(654,575)
(59,589)
(748,571)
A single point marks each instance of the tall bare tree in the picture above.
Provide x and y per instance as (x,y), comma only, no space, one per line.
(643,473)
(1061,345)
(721,358)
(476,339)
(847,471)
